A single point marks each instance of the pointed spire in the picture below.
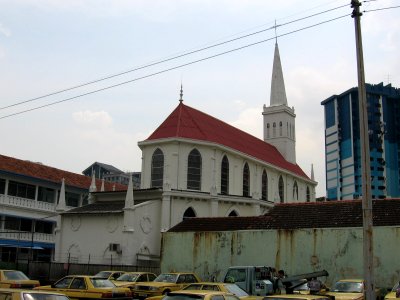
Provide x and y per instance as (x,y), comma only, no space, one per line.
(278,93)
(181,94)
(102,185)
(61,206)
(93,187)
(312,172)
(129,200)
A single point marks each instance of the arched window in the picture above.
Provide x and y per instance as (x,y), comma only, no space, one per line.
(267,130)
(264,186)
(189,213)
(233,213)
(246,180)
(295,191)
(157,168)
(280,128)
(287,129)
(281,189)
(308,197)
(194,170)
(225,176)
(274,130)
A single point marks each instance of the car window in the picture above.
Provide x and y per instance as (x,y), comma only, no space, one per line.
(235,275)
(78,283)
(181,279)
(63,283)
(5,296)
(166,278)
(15,275)
(40,296)
(211,287)
(217,297)
(142,278)
(348,287)
(128,277)
(236,290)
(152,277)
(193,287)
(100,282)
(190,278)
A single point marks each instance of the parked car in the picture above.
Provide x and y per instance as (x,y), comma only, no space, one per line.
(348,289)
(88,287)
(222,287)
(164,283)
(16,279)
(298,297)
(199,295)
(20,294)
(130,279)
(392,293)
(111,275)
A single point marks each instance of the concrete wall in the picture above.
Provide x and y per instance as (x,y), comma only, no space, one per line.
(337,250)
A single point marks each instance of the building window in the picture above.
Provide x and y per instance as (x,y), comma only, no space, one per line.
(264,186)
(281,189)
(72,199)
(44,226)
(295,191)
(189,213)
(225,176)
(274,129)
(157,168)
(233,213)
(308,198)
(2,186)
(22,190)
(280,128)
(267,130)
(194,170)
(246,180)
(46,195)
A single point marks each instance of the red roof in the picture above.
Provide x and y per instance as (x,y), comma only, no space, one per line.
(39,171)
(187,122)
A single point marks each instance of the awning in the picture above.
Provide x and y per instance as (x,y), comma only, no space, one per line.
(26,244)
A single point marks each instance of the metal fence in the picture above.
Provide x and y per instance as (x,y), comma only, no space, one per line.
(49,272)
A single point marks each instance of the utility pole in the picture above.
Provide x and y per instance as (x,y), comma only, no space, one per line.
(368,254)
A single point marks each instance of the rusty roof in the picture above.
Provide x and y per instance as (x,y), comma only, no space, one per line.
(330,214)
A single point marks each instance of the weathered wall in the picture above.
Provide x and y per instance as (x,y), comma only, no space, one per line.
(337,250)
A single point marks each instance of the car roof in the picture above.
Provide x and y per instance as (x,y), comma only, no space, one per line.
(351,280)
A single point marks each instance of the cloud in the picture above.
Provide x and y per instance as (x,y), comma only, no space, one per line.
(250,120)
(5,31)
(94,119)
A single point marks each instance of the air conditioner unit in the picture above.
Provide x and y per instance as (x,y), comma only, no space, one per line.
(115,248)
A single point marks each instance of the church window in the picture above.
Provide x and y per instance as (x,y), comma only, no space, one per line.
(287,129)
(281,189)
(308,198)
(295,191)
(268,131)
(189,213)
(225,176)
(264,186)
(194,170)
(280,128)
(246,180)
(233,213)
(274,130)
(157,168)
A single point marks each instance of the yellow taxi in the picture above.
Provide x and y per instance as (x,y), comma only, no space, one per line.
(164,283)
(348,289)
(130,279)
(88,287)
(19,294)
(297,297)
(199,295)
(111,275)
(392,293)
(16,279)
(222,287)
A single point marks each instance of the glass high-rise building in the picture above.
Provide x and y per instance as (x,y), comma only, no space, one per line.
(342,143)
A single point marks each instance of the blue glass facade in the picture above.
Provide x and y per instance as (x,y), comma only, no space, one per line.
(342,122)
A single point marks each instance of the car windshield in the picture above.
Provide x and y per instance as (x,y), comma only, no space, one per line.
(101,283)
(128,277)
(103,274)
(166,278)
(182,297)
(236,290)
(302,287)
(39,296)
(348,287)
(15,275)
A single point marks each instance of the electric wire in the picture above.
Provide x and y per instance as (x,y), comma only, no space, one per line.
(173,68)
(171,58)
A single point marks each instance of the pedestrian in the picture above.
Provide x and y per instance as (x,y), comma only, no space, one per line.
(279,287)
(314,285)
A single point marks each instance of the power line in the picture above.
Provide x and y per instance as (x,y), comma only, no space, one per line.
(383,8)
(172,68)
(171,58)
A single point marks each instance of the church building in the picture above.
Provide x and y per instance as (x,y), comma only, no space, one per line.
(193,165)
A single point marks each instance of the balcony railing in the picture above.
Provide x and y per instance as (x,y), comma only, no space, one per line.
(27,203)
(26,236)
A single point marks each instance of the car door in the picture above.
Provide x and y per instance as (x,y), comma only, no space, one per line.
(62,285)
(77,288)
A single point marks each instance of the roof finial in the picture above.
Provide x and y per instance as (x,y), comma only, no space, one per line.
(276,37)
(181,94)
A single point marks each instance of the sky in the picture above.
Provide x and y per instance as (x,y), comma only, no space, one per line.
(47,46)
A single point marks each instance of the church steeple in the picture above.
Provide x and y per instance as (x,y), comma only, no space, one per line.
(278,93)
